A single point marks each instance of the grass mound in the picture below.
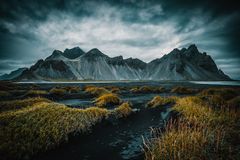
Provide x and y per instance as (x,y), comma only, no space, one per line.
(4,94)
(160,101)
(18,104)
(58,91)
(36,93)
(183,90)
(201,133)
(234,103)
(147,89)
(7,85)
(225,93)
(42,126)
(97,91)
(72,89)
(219,97)
(122,111)
(106,100)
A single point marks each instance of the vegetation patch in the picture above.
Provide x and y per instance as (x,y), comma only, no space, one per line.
(6,86)
(224,93)
(58,91)
(72,89)
(107,100)
(220,97)
(4,94)
(18,104)
(122,111)
(96,91)
(147,89)
(43,126)
(36,93)
(160,101)
(201,133)
(234,103)
(183,90)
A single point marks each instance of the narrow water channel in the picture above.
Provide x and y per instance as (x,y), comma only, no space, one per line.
(116,140)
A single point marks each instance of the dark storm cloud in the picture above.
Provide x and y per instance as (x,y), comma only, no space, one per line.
(147,29)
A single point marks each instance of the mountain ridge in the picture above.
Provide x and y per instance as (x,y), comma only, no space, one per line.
(185,64)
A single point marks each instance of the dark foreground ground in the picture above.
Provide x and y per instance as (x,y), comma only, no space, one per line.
(113,139)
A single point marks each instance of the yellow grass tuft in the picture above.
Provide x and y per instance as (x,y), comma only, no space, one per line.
(201,133)
(224,93)
(234,103)
(97,91)
(107,99)
(122,111)
(147,89)
(43,126)
(160,101)
(18,104)
(36,93)
(4,94)
(72,89)
(183,90)
(58,91)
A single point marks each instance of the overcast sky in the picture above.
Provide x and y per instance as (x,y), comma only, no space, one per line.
(31,30)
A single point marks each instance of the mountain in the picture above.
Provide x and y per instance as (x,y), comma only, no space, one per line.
(73,53)
(75,64)
(13,74)
(184,64)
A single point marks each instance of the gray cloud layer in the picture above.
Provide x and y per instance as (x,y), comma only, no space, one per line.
(30,30)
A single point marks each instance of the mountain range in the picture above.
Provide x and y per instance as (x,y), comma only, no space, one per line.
(75,64)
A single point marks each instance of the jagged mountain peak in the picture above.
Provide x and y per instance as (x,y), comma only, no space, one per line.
(95,51)
(56,54)
(120,58)
(191,50)
(93,54)
(193,47)
(73,52)
(135,63)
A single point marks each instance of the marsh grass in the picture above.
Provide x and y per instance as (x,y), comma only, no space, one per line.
(4,94)
(158,101)
(122,111)
(224,93)
(58,91)
(201,133)
(221,97)
(18,104)
(7,85)
(96,91)
(147,89)
(183,90)
(36,93)
(72,89)
(43,126)
(107,99)
(234,103)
